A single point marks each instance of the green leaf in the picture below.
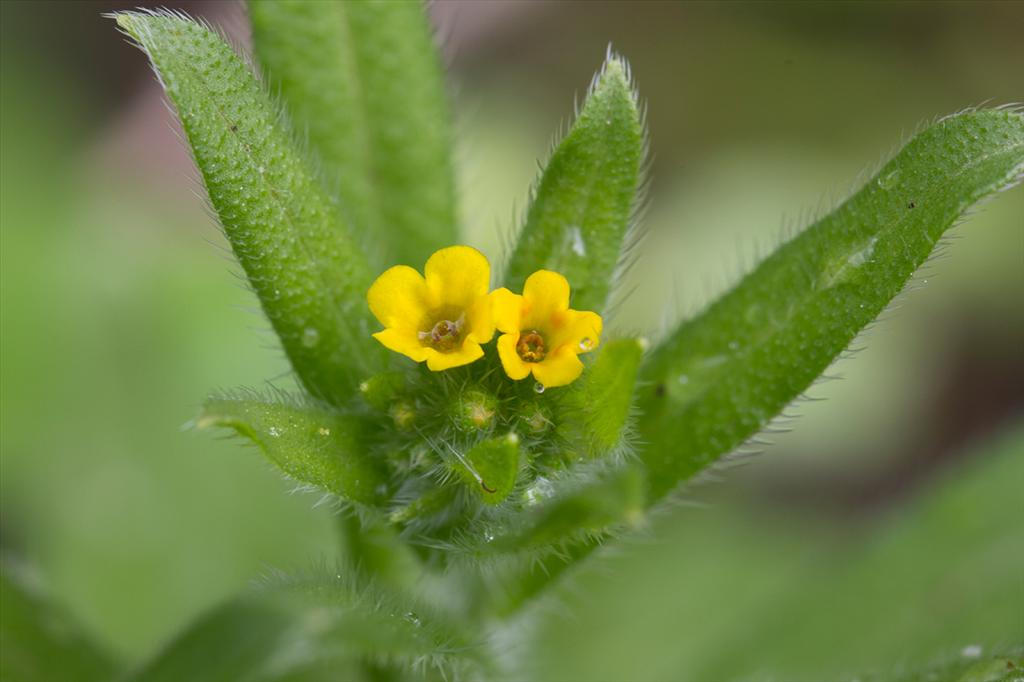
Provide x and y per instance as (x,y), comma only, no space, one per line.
(597,409)
(723,375)
(528,577)
(316,628)
(310,444)
(583,202)
(580,509)
(40,641)
(299,256)
(236,641)
(964,666)
(801,592)
(569,514)
(565,521)
(365,81)
(491,467)
(371,546)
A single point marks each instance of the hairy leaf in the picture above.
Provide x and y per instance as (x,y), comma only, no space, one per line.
(972,663)
(364,79)
(40,641)
(938,568)
(723,375)
(298,254)
(316,628)
(999,668)
(597,409)
(491,467)
(609,498)
(373,547)
(583,202)
(312,445)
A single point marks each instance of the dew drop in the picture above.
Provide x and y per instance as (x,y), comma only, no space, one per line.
(411,617)
(274,431)
(324,431)
(541,490)
(683,379)
(579,247)
(488,536)
(310,337)
(586,343)
(889,180)
(538,387)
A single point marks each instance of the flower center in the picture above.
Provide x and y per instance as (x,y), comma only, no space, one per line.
(531,346)
(444,336)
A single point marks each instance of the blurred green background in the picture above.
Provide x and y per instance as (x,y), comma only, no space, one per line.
(887,528)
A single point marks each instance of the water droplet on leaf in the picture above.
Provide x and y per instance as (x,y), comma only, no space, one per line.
(541,490)
(889,180)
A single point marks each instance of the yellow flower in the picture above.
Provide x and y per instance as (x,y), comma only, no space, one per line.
(441,318)
(541,334)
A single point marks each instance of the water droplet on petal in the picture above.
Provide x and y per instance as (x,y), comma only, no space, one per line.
(538,387)
(586,343)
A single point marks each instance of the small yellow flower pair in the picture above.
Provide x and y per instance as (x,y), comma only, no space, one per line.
(443,316)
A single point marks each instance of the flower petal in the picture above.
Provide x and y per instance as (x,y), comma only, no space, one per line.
(559,368)
(399,298)
(457,276)
(479,325)
(514,366)
(546,294)
(580,329)
(507,309)
(469,352)
(405,342)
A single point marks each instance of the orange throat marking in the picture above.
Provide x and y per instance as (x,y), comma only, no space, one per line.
(531,346)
